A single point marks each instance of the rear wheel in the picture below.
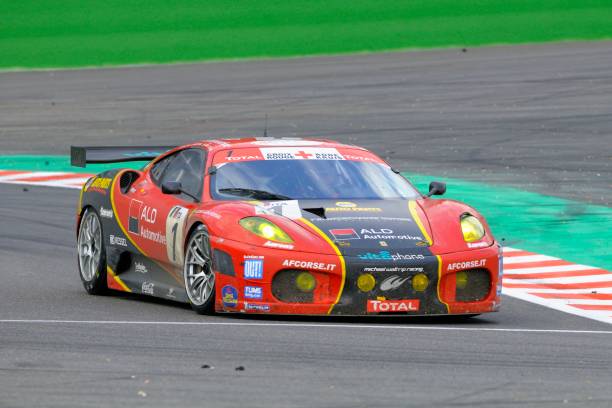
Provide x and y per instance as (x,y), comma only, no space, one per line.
(91,254)
(197,271)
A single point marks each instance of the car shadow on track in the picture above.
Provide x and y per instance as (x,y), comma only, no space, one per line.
(463,320)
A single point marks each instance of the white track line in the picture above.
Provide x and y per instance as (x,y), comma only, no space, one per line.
(309,325)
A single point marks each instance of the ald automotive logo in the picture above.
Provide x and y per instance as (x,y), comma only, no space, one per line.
(388,256)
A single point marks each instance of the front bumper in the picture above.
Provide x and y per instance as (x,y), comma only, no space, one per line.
(249,285)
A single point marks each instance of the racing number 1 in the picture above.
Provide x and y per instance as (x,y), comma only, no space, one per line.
(175,231)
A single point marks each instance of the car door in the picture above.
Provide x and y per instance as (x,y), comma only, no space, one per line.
(156,221)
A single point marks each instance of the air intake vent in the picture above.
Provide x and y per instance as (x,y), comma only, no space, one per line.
(472,285)
(222,262)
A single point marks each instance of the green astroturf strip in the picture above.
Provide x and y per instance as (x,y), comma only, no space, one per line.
(71,33)
(571,230)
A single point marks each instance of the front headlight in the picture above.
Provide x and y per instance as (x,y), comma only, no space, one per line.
(265,228)
(472,228)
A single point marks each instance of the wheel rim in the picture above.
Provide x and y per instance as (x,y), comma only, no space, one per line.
(199,277)
(90,246)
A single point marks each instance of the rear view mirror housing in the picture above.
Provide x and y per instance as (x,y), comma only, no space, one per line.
(436,188)
(171,187)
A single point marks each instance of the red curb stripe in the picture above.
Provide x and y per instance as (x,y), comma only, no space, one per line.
(592,307)
(539,264)
(583,285)
(518,253)
(12,172)
(596,296)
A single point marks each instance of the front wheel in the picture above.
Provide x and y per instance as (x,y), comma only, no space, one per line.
(91,254)
(197,271)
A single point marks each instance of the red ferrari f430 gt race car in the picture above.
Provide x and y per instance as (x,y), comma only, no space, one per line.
(281,226)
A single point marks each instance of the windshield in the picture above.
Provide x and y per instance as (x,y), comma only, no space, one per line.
(308,179)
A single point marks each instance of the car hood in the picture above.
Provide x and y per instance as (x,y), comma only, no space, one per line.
(370,229)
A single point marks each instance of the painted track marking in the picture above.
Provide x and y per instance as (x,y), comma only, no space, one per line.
(545,280)
(307,325)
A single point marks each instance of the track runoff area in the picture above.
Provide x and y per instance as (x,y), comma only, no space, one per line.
(545,280)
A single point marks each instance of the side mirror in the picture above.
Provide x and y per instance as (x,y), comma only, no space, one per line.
(171,187)
(436,188)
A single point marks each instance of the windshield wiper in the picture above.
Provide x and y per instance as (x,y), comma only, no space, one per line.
(256,194)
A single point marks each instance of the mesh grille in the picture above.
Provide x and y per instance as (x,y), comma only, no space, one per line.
(477,288)
(284,289)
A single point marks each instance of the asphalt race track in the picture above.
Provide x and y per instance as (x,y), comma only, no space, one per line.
(545,110)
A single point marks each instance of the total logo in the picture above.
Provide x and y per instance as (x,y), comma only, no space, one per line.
(105,213)
(386,255)
(382,306)
(466,265)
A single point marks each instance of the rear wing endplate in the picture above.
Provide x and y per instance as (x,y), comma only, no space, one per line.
(80,156)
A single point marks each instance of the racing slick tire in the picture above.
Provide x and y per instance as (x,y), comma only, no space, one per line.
(91,254)
(198,274)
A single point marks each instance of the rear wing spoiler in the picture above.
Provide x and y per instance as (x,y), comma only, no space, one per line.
(80,156)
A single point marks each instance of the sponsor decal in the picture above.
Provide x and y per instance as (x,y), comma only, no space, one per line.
(378,306)
(386,233)
(100,185)
(422,244)
(466,265)
(300,153)
(253,292)
(253,267)
(242,158)
(208,213)
(141,268)
(392,282)
(148,288)
(374,219)
(289,208)
(386,255)
(358,158)
(343,244)
(171,293)
(140,212)
(229,296)
(153,236)
(106,213)
(342,234)
(477,244)
(257,307)
(392,269)
(383,243)
(115,240)
(272,244)
(345,204)
(292,263)
(175,234)
(353,209)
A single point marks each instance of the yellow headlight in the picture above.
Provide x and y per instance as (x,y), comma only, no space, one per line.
(420,282)
(366,282)
(472,228)
(461,280)
(305,282)
(265,229)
